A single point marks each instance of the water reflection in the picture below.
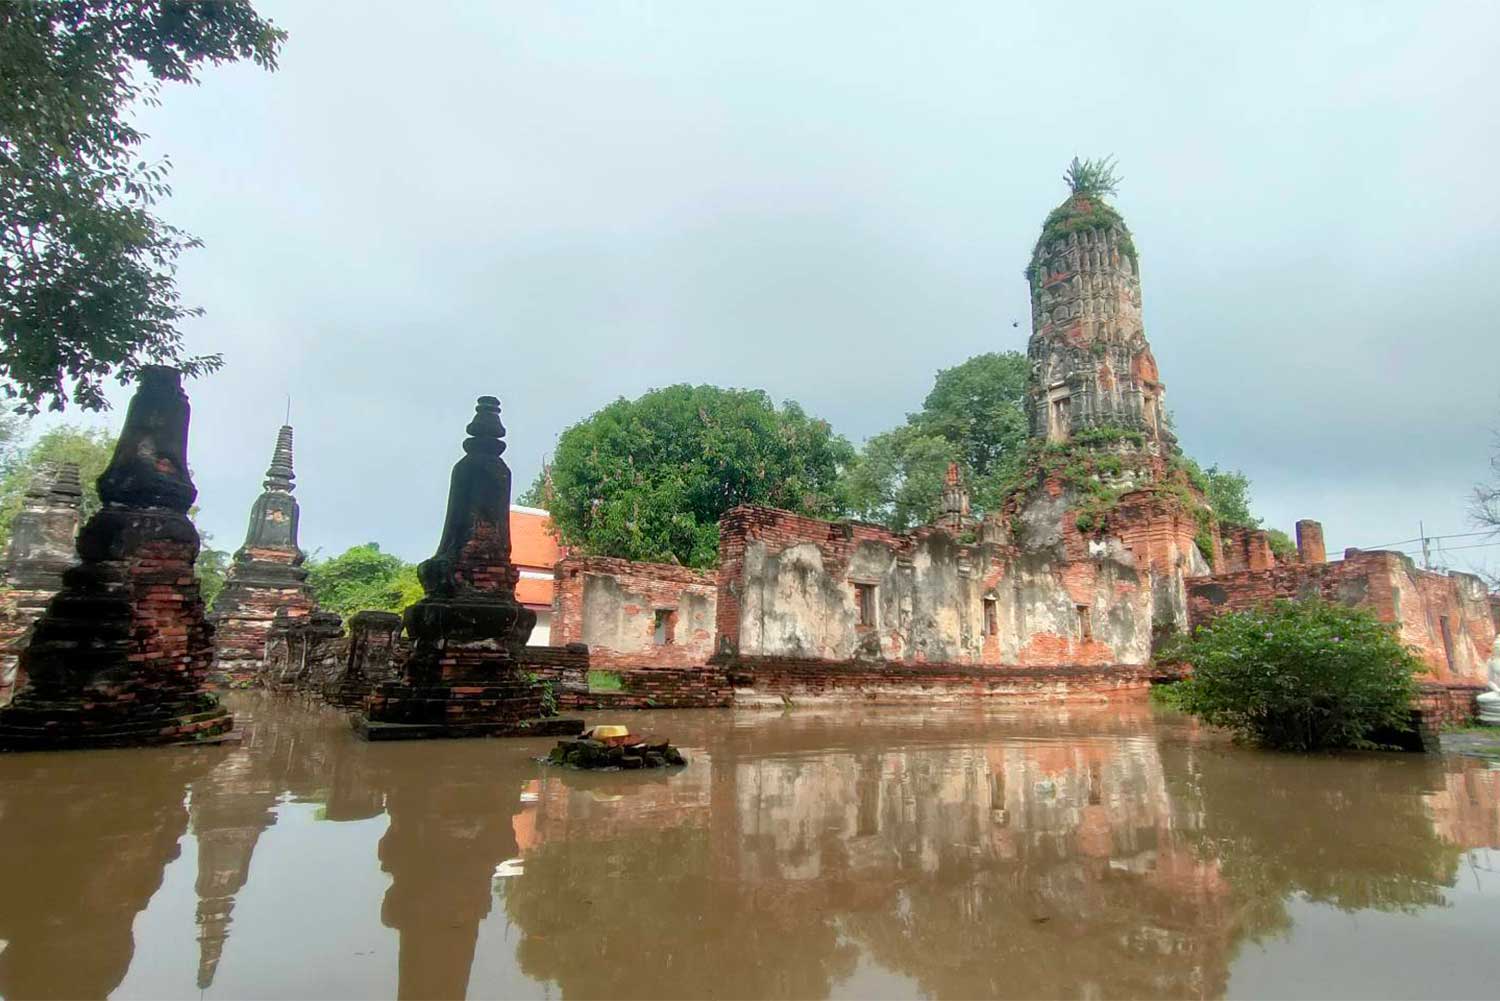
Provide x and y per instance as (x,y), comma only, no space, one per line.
(948,854)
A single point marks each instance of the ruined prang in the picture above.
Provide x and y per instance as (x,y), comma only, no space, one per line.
(266,575)
(42,537)
(121,654)
(463,676)
(1091,367)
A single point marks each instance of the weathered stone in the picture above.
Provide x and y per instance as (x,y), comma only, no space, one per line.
(304,652)
(42,538)
(463,676)
(121,654)
(370,658)
(266,575)
(1090,364)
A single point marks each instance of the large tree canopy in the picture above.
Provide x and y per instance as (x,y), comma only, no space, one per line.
(87,284)
(975,416)
(648,479)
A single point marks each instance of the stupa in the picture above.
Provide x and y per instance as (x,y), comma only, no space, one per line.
(266,575)
(121,654)
(463,676)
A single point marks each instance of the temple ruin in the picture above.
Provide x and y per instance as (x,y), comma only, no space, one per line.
(265,577)
(1105,545)
(42,538)
(122,652)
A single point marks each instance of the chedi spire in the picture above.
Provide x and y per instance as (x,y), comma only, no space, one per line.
(1091,367)
(266,575)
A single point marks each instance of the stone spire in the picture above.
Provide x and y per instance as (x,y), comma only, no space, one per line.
(266,575)
(273,519)
(120,655)
(41,547)
(462,678)
(1091,367)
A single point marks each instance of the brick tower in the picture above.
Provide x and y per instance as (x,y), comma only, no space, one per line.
(463,677)
(266,575)
(122,652)
(1091,367)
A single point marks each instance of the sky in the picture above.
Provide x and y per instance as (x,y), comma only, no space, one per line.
(561,204)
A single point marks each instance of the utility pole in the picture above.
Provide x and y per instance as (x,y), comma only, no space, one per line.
(1426,553)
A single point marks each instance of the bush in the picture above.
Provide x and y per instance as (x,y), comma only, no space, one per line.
(1299,676)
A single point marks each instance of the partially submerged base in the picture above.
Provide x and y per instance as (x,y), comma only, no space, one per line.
(549,726)
(38,725)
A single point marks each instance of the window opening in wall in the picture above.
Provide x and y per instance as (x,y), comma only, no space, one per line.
(1447,640)
(864,601)
(666,626)
(991,618)
(1085,625)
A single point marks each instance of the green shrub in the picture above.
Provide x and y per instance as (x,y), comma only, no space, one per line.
(1299,676)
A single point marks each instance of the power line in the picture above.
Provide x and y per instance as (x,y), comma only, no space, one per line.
(1429,538)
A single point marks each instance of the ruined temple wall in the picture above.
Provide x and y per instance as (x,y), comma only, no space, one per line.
(1446,617)
(792,587)
(613,606)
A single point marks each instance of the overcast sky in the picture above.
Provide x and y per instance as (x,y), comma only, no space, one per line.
(561,204)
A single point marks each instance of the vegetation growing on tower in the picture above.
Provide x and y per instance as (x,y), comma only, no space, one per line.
(1089,181)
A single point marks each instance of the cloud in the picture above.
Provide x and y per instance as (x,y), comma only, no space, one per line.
(830,202)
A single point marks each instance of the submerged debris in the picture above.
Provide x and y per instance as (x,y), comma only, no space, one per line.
(613,748)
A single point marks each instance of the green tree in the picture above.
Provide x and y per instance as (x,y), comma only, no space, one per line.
(363,578)
(1299,675)
(87,270)
(648,479)
(975,415)
(210,570)
(1229,495)
(91,448)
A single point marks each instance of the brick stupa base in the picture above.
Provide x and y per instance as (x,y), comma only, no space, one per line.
(465,687)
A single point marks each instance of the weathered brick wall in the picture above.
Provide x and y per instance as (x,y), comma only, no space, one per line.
(1446,617)
(1446,704)
(1246,549)
(567,669)
(775,680)
(791,586)
(612,605)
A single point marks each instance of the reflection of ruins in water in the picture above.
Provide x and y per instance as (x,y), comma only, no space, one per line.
(1101,852)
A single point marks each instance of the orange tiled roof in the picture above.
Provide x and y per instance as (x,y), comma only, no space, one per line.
(530,591)
(533,546)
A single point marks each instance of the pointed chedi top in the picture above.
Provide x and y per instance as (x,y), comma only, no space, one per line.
(280,476)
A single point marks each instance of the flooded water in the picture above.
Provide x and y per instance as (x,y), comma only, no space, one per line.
(860,854)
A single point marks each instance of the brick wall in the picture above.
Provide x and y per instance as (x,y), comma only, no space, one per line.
(567,669)
(614,606)
(1246,549)
(1447,618)
(771,681)
(793,586)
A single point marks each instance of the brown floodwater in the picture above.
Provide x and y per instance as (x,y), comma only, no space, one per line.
(864,853)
